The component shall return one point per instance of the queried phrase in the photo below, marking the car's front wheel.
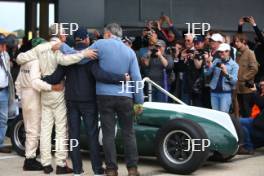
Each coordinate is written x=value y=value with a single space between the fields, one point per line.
x=18 y=136
x=180 y=146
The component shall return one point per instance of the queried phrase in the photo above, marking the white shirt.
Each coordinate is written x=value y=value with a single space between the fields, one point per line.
x=3 y=75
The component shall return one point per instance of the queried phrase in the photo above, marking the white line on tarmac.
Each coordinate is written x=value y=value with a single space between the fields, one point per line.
x=8 y=157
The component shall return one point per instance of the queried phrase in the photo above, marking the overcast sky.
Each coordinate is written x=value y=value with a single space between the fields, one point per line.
x=12 y=15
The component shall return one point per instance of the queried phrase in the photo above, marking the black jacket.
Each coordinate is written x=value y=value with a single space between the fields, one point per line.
x=80 y=83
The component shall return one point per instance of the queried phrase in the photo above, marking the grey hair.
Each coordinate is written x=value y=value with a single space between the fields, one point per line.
x=54 y=28
x=115 y=29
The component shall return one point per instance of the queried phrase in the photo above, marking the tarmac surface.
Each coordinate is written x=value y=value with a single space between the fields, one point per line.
x=11 y=165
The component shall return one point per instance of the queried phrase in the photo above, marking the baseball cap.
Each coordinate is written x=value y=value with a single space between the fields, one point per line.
x=36 y=41
x=217 y=37
x=224 y=47
x=80 y=34
x=198 y=38
x=161 y=43
x=2 y=39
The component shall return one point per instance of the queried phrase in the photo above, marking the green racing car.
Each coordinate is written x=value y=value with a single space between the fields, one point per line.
x=182 y=137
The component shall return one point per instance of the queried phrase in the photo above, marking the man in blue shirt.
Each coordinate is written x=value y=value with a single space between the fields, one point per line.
x=115 y=57
x=80 y=99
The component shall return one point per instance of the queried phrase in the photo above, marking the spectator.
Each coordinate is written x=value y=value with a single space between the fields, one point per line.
x=7 y=94
x=157 y=63
x=259 y=48
x=248 y=68
x=253 y=127
x=215 y=40
x=175 y=52
x=166 y=30
x=151 y=38
x=186 y=65
x=224 y=77
x=199 y=93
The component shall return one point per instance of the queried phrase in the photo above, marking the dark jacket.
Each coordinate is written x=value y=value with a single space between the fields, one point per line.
x=80 y=83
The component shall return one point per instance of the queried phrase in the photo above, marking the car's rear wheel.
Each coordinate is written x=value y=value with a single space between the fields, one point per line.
x=18 y=136
x=175 y=149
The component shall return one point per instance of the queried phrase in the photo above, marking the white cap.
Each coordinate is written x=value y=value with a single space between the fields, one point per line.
x=224 y=47
x=217 y=37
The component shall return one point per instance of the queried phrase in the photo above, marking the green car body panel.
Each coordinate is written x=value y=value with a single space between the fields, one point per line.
x=151 y=120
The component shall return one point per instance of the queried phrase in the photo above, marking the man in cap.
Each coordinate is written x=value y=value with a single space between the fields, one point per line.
x=53 y=103
x=224 y=77
x=156 y=61
x=80 y=99
x=7 y=94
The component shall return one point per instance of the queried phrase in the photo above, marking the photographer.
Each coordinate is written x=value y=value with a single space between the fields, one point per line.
x=248 y=68
x=185 y=66
x=224 y=77
x=176 y=72
x=150 y=38
x=198 y=88
x=157 y=63
x=259 y=47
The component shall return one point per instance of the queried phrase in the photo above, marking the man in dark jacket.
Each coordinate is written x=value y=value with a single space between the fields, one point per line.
x=80 y=96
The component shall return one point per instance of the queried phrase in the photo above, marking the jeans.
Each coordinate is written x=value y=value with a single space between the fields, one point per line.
x=221 y=101
x=246 y=124
x=246 y=103
x=88 y=112
x=3 y=114
x=122 y=106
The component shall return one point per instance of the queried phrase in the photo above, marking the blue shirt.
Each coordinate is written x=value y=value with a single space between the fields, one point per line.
x=114 y=56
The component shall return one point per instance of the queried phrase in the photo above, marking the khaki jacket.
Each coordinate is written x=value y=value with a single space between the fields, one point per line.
x=248 y=68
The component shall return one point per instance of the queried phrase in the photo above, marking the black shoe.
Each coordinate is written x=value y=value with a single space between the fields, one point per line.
x=47 y=169
x=32 y=165
x=63 y=170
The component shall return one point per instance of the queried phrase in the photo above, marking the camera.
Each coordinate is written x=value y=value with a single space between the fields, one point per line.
x=199 y=55
x=190 y=51
x=218 y=64
x=171 y=50
x=245 y=19
x=153 y=52
x=249 y=84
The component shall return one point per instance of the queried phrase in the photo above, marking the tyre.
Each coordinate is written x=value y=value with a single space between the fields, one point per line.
x=18 y=136
x=174 y=151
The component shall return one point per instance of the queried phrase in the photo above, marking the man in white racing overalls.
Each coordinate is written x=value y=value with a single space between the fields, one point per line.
x=28 y=87
x=52 y=102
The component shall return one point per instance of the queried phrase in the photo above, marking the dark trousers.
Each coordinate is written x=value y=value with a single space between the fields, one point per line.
x=246 y=103
x=88 y=112
x=122 y=106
